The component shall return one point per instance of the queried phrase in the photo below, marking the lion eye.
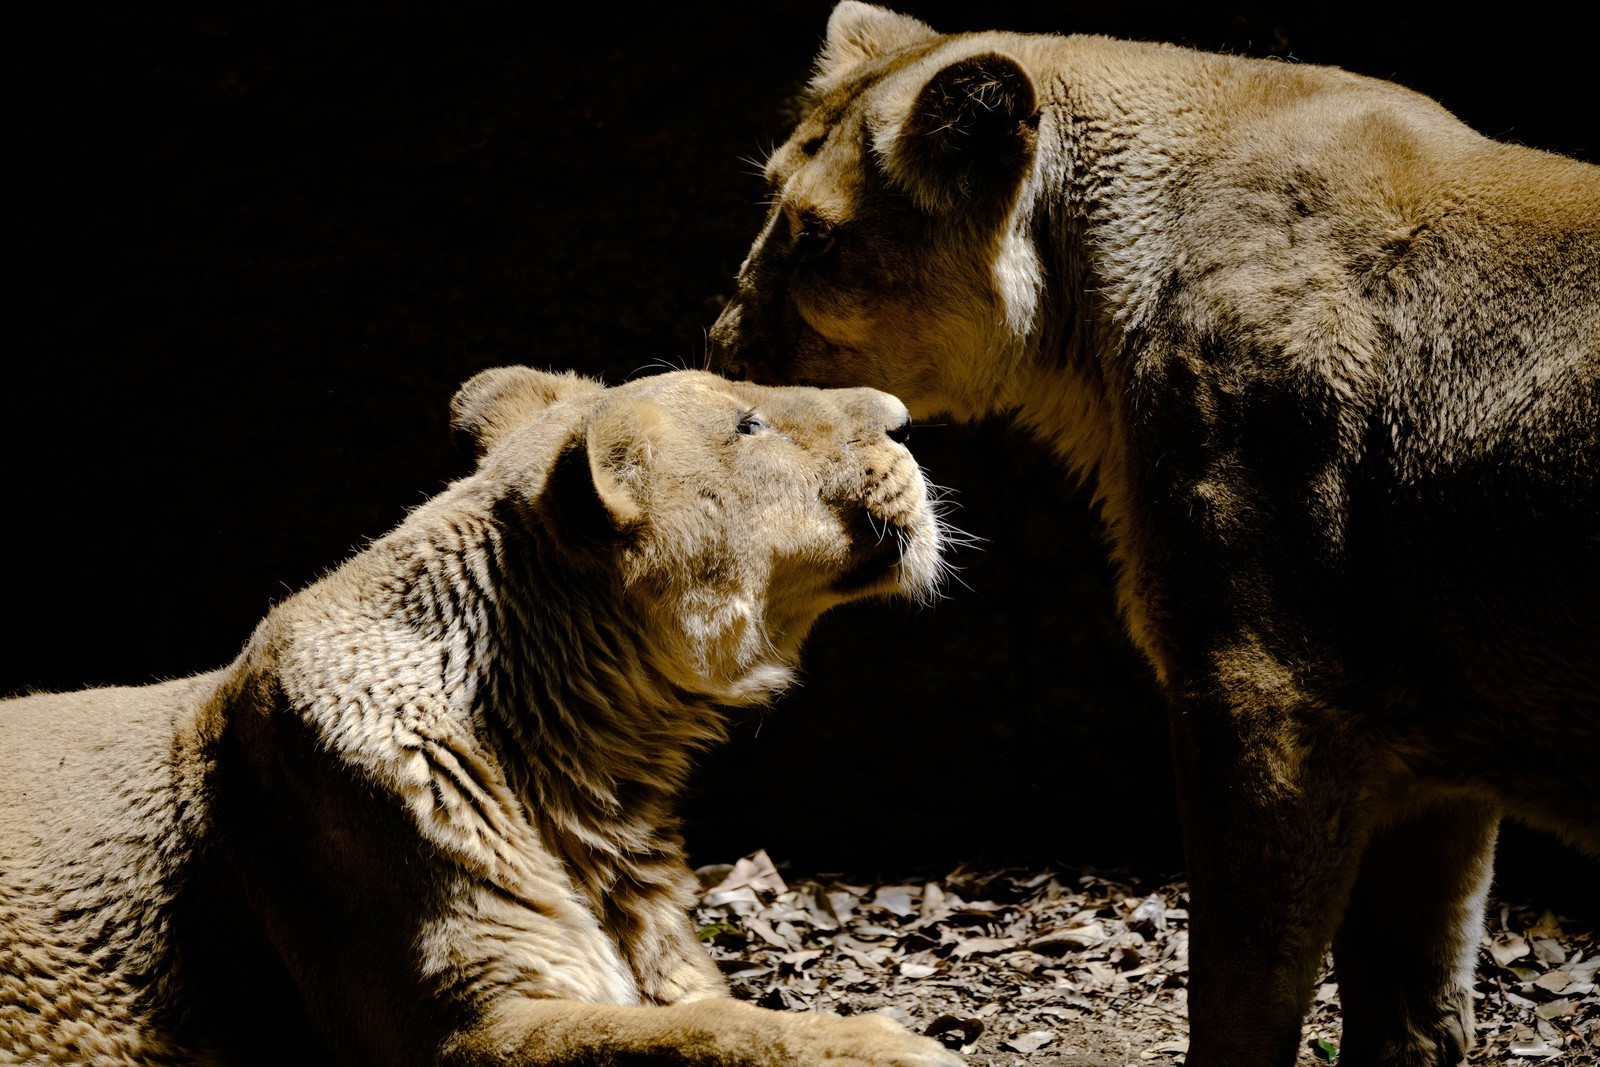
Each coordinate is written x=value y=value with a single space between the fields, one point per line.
x=815 y=240
x=750 y=422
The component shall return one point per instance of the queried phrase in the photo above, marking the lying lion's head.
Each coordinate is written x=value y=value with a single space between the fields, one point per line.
x=893 y=253
x=724 y=517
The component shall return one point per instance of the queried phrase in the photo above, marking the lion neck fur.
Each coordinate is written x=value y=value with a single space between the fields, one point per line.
x=1110 y=214
x=509 y=698
x=1086 y=239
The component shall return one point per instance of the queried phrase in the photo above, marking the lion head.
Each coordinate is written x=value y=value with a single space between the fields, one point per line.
x=895 y=252
x=721 y=518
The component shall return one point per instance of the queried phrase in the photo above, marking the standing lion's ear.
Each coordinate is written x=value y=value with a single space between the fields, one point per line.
x=494 y=402
x=858 y=32
x=592 y=496
x=969 y=136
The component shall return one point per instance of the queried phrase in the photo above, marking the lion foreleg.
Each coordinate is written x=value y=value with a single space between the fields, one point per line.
x=718 y=1032
x=1406 y=950
x=649 y=915
x=1272 y=845
x=677 y=969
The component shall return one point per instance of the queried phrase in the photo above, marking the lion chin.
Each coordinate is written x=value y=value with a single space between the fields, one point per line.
x=429 y=812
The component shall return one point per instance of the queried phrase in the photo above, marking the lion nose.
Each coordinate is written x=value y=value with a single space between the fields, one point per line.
x=724 y=347
x=886 y=411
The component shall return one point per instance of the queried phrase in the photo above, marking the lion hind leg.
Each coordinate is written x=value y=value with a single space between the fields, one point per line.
x=1405 y=951
x=719 y=1032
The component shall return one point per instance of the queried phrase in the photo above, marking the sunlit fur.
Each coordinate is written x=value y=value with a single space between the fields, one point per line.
x=429 y=813
x=1330 y=362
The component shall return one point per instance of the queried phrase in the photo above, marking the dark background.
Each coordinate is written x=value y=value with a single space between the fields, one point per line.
x=256 y=248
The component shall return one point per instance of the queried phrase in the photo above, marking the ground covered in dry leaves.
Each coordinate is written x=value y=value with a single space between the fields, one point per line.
x=1081 y=969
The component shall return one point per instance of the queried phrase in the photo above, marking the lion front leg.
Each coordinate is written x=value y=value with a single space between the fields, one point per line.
x=719 y=1032
x=678 y=969
x=644 y=902
x=1273 y=837
x=1406 y=950
x=657 y=937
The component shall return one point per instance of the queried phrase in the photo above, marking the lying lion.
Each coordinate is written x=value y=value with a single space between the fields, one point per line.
x=427 y=815
x=1332 y=363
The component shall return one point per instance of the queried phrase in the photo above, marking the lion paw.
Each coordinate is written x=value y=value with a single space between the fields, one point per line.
x=864 y=1041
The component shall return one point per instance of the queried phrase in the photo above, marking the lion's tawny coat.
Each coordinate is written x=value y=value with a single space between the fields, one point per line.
x=1331 y=363
x=428 y=815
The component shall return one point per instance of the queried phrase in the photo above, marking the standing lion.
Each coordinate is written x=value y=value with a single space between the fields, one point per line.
x=428 y=814
x=1331 y=361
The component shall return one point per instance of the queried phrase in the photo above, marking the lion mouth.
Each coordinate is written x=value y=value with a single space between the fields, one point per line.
x=897 y=542
x=881 y=546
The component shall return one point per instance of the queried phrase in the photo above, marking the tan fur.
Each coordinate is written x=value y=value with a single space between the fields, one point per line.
x=428 y=814
x=1329 y=359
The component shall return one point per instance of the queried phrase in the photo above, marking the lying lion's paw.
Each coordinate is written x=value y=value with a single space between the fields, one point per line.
x=864 y=1041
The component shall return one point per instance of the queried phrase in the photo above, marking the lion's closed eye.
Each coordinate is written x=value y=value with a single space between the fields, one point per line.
x=750 y=424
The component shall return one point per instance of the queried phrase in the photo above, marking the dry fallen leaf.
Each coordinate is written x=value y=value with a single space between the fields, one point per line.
x=1032 y=1041
x=1531 y=1044
x=983 y=946
x=1168 y=1048
x=1553 y=981
x=953 y=1031
x=1509 y=949
x=755 y=871
x=896 y=899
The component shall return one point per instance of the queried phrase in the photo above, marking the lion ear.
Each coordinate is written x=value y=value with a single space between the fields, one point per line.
x=858 y=32
x=495 y=402
x=969 y=137
x=592 y=496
